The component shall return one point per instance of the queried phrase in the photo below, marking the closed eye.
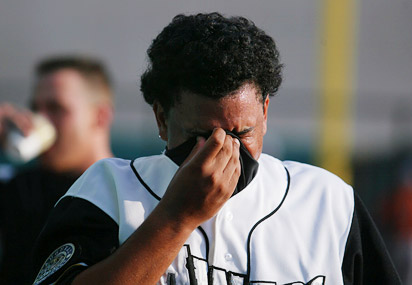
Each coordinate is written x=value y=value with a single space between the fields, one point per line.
x=244 y=132
x=207 y=134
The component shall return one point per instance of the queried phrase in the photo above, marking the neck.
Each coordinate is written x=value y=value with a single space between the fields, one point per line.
x=100 y=149
x=81 y=161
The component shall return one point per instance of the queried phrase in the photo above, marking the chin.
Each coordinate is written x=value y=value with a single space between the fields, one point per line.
x=50 y=158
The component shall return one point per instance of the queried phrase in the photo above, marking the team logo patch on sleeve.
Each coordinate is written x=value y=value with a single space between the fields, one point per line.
x=55 y=261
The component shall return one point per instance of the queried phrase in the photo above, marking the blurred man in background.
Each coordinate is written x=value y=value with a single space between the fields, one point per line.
x=75 y=94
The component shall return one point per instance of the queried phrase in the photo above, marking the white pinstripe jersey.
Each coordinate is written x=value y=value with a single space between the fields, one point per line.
x=290 y=225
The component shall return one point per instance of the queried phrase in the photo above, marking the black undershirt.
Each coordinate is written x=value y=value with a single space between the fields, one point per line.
x=25 y=204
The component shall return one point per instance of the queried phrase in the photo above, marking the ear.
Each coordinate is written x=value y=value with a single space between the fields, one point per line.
x=160 y=120
x=265 y=114
x=104 y=115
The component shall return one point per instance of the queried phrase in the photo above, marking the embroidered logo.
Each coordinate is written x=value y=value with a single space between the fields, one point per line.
x=55 y=261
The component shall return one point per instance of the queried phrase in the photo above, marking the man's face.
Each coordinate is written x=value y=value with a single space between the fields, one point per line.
x=63 y=97
x=241 y=113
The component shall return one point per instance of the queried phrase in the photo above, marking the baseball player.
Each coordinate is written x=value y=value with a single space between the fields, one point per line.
x=211 y=209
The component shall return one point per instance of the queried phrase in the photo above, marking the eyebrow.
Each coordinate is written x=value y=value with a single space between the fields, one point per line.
x=245 y=131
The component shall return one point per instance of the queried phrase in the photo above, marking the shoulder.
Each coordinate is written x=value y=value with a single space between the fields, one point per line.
x=318 y=186
x=37 y=186
x=317 y=179
x=100 y=175
x=108 y=182
x=116 y=165
x=323 y=190
x=303 y=171
x=111 y=170
x=311 y=172
x=109 y=164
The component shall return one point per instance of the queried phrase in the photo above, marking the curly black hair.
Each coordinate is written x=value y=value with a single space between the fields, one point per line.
x=210 y=55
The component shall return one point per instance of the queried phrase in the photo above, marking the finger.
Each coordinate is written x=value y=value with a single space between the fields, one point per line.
x=6 y=111
x=22 y=120
x=234 y=161
x=8 y=117
x=25 y=121
x=212 y=146
x=225 y=154
x=234 y=178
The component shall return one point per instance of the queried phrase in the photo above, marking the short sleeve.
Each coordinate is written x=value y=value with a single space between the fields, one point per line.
x=77 y=235
x=366 y=259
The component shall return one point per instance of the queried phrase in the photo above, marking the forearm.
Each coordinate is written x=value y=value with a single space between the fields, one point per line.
x=144 y=257
x=196 y=193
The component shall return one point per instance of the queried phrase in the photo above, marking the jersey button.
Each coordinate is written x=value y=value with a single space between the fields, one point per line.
x=228 y=257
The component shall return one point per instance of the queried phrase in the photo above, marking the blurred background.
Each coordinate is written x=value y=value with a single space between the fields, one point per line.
x=345 y=103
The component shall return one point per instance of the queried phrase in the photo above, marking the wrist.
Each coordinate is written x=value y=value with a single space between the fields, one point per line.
x=180 y=223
